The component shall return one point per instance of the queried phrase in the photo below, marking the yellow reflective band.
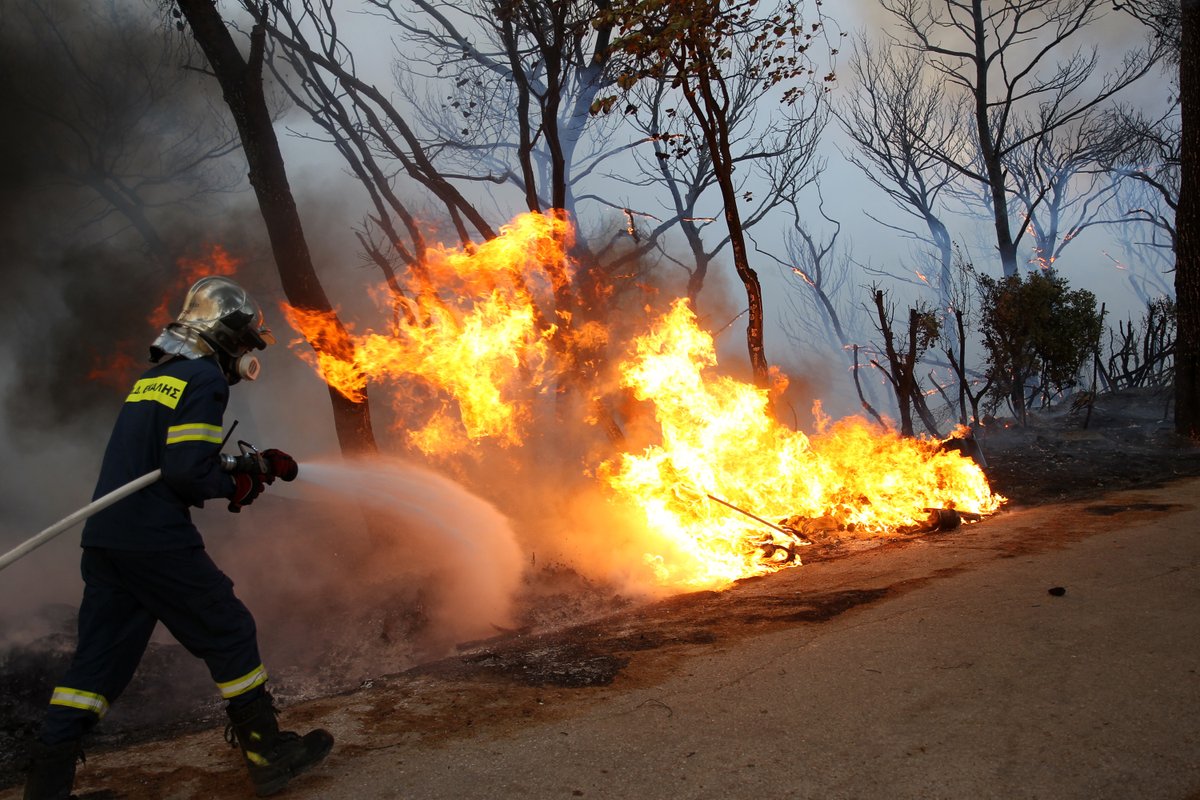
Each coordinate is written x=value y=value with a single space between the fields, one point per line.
x=233 y=688
x=164 y=389
x=77 y=698
x=194 y=432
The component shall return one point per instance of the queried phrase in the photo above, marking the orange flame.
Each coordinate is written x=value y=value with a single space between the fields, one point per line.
x=119 y=370
x=478 y=344
x=475 y=350
x=115 y=372
x=217 y=262
x=718 y=438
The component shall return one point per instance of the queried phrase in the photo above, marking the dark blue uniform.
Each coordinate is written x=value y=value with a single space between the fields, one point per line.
x=143 y=559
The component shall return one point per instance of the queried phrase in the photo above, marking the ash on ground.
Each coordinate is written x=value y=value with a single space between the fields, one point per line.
x=1071 y=452
x=1076 y=450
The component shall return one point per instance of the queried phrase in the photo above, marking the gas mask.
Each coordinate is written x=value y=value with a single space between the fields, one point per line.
x=237 y=368
x=219 y=318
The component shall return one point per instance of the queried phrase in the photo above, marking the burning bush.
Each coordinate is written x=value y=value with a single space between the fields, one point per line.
x=492 y=345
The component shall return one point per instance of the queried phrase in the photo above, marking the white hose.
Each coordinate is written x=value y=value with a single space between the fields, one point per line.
x=100 y=503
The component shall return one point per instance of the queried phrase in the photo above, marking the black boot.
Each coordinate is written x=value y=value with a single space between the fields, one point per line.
x=52 y=770
x=272 y=756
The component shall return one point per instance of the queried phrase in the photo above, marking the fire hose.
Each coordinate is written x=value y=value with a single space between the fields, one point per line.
x=249 y=460
x=99 y=504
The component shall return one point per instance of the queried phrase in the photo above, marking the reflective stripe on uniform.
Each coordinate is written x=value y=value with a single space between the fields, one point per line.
x=77 y=698
x=231 y=689
x=194 y=432
x=163 y=389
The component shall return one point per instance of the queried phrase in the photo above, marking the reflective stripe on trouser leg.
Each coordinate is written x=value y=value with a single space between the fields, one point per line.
x=197 y=604
x=231 y=689
x=77 y=698
x=114 y=628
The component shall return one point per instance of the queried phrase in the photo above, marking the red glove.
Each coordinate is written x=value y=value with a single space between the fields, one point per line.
x=280 y=464
x=246 y=487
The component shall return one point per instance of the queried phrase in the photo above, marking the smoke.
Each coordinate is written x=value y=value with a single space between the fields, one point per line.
x=105 y=182
x=367 y=566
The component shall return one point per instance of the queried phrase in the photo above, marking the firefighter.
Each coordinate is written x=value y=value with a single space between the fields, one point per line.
x=144 y=561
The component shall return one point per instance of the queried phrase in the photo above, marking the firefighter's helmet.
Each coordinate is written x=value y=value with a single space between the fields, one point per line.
x=218 y=317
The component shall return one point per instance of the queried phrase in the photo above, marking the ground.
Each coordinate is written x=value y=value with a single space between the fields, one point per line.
x=1063 y=457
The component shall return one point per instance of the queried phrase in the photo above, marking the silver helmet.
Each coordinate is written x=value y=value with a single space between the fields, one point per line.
x=218 y=317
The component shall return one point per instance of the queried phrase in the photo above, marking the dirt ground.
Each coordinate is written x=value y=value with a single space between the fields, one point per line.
x=548 y=665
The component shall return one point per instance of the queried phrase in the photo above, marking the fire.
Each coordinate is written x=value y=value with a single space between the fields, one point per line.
x=478 y=345
x=719 y=440
x=116 y=371
x=119 y=370
x=475 y=349
x=217 y=262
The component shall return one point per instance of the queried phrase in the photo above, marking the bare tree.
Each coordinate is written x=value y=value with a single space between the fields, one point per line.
x=820 y=274
x=1019 y=77
x=361 y=119
x=691 y=47
x=818 y=271
x=1179 y=25
x=1144 y=150
x=972 y=388
x=902 y=358
x=516 y=83
x=775 y=160
x=1059 y=181
x=117 y=117
x=241 y=81
x=899 y=121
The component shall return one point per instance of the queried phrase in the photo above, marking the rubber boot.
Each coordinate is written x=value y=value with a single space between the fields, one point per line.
x=273 y=757
x=52 y=770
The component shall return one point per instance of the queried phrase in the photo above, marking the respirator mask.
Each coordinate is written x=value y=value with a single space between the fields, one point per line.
x=218 y=318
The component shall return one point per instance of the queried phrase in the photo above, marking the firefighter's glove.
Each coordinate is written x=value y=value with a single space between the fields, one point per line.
x=280 y=465
x=246 y=487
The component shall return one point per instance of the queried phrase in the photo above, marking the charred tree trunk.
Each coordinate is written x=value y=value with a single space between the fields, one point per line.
x=899 y=372
x=242 y=86
x=989 y=147
x=708 y=111
x=958 y=363
x=1187 y=225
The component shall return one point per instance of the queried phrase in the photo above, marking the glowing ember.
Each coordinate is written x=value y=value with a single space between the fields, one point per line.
x=719 y=439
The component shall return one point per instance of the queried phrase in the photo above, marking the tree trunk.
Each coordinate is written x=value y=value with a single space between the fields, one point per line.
x=709 y=112
x=897 y=375
x=1187 y=226
x=242 y=86
x=989 y=147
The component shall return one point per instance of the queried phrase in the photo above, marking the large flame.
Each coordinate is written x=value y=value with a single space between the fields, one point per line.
x=475 y=346
x=719 y=440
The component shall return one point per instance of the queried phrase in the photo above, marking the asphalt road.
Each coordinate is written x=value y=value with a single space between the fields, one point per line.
x=955 y=674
